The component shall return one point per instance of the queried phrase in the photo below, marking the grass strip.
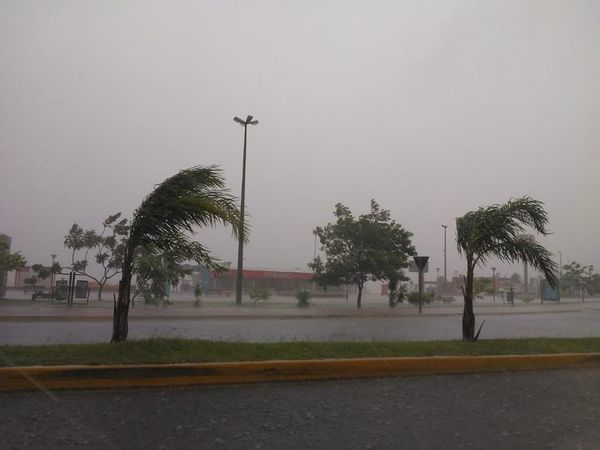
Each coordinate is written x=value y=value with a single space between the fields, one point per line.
x=166 y=351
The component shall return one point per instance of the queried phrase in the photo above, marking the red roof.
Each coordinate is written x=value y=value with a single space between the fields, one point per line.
x=271 y=274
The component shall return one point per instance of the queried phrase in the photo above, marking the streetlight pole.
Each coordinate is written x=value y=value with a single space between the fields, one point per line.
x=494 y=281
x=240 y=264
x=314 y=258
x=559 y=266
x=445 y=273
x=52 y=275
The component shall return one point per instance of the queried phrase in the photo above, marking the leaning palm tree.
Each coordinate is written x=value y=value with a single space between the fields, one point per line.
x=497 y=231
x=194 y=197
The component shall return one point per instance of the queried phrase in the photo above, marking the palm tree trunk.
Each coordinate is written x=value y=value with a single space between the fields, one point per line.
x=121 y=307
x=468 y=320
x=100 y=287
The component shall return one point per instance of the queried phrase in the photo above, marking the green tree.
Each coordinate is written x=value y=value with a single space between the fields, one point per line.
x=257 y=294
x=482 y=285
x=43 y=272
x=194 y=197
x=370 y=247
x=153 y=273
x=577 y=278
x=108 y=248
x=497 y=231
x=8 y=262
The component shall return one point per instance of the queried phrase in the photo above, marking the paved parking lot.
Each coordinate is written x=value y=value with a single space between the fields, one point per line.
x=548 y=409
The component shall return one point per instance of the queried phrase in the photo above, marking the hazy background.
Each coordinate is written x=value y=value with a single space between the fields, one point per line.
x=433 y=108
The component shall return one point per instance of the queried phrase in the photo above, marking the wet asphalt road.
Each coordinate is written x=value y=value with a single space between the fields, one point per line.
x=576 y=323
x=550 y=409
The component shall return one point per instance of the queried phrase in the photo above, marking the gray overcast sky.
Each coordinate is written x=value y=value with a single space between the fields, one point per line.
x=433 y=108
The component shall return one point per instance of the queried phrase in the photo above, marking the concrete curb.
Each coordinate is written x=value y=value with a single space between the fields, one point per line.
x=139 y=376
x=365 y=315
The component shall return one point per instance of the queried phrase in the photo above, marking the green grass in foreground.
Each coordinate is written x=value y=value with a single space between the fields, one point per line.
x=163 y=351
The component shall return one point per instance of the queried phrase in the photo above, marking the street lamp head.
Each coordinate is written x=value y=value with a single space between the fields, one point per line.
x=253 y=122
x=248 y=119
x=444 y=226
x=238 y=120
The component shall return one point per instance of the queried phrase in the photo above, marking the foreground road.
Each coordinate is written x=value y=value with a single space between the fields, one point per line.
x=554 y=409
x=573 y=323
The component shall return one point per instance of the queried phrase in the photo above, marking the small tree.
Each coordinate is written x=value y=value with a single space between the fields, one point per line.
x=257 y=294
x=372 y=247
x=153 y=274
x=108 y=249
x=515 y=278
x=577 y=278
x=8 y=262
x=482 y=285
x=497 y=230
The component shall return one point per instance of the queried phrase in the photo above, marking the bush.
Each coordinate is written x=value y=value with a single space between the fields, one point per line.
x=257 y=294
x=303 y=297
x=527 y=299
x=413 y=298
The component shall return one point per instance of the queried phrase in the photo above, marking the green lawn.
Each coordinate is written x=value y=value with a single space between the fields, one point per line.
x=164 y=351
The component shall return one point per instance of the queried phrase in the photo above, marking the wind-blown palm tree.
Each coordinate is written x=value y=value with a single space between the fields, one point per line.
x=194 y=197
x=497 y=231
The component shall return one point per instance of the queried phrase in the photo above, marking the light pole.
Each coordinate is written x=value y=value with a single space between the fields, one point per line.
x=559 y=267
x=52 y=274
x=445 y=274
x=494 y=281
x=314 y=258
x=240 y=264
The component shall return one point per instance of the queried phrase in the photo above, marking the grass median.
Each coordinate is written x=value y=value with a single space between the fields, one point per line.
x=168 y=351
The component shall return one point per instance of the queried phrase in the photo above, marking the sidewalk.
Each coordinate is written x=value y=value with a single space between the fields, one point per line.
x=279 y=308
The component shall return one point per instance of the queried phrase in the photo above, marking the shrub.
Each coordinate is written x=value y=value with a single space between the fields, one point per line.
x=527 y=299
x=413 y=298
x=257 y=294
x=303 y=297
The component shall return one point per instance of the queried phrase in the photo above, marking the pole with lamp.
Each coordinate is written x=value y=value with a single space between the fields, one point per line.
x=445 y=227
x=52 y=275
x=494 y=282
x=240 y=265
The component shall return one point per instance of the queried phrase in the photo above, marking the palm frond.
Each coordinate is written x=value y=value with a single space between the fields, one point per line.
x=497 y=230
x=193 y=198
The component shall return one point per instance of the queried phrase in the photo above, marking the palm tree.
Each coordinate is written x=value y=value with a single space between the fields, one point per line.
x=497 y=231
x=194 y=197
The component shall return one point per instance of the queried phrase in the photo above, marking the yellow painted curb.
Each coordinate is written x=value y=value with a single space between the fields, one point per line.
x=136 y=376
